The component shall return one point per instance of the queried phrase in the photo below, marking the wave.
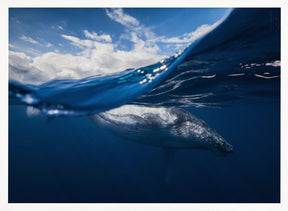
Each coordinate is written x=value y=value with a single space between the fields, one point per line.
x=240 y=58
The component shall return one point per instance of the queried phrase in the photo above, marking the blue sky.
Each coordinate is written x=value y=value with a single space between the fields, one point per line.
x=51 y=43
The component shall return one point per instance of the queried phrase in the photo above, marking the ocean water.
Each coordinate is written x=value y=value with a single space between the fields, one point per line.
x=229 y=78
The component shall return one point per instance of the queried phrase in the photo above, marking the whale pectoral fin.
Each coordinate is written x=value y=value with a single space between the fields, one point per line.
x=169 y=155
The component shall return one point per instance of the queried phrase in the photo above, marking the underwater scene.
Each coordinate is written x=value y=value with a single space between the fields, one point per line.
x=144 y=105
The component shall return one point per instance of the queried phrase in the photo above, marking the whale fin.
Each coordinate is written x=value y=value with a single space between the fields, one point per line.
x=169 y=155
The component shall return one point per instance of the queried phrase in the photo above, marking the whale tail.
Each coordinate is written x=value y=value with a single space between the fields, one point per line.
x=169 y=155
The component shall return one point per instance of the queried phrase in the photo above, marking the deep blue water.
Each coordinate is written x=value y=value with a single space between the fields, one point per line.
x=70 y=160
x=230 y=79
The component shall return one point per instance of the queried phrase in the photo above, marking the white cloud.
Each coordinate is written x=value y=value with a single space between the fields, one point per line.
x=29 y=39
x=60 y=28
x=48 y=45
x=119 y=16
x=19 y=60
x=21 y=69
x=140 y=35
x=98 y=53
x=12 y=46
x=78 y=42
x=32 y=51
x=144 y=37
x=130 y=23
x=95 y=36
x=192 y=36
x=95 y=58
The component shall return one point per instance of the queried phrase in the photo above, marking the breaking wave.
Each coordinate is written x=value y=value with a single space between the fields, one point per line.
x=240 y=59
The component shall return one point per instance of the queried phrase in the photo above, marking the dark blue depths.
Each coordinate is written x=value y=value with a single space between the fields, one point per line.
x=70 y=160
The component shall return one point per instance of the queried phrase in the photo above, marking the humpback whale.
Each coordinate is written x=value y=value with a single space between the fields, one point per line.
x=171 y=128
x=166 y=127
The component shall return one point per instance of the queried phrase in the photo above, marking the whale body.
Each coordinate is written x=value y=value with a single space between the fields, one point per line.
x=166 y=127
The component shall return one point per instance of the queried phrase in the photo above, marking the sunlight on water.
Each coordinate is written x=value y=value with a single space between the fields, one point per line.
x=191 y=77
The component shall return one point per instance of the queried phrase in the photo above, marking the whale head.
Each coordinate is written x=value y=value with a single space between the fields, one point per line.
x=162 y=127
x=197 y=134
x=220 y=146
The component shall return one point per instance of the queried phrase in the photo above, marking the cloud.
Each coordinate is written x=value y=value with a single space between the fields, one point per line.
x=60 y=28
x=78 y=42
x=21 y=69
x=144 y=37
x=29 y=49
x=29 y=39
x=19 y=60
x=98 y=53
x=12 y=46
x=192 y=36
x=141 y=36
x=95 y=58
x=124 y=19
x=95 y=36
x=130 y=23
x=48 y=45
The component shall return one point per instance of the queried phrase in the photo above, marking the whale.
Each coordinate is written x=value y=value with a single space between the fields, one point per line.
x=171 y=128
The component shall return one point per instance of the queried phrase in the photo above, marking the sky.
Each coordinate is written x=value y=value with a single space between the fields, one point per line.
x=56 y=43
